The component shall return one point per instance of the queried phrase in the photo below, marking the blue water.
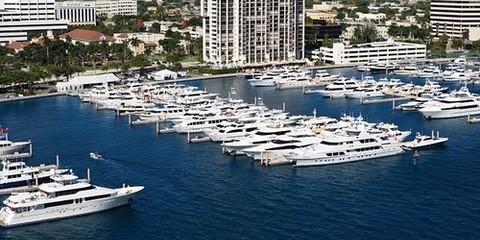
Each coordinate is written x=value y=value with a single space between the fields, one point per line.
x=192 y=191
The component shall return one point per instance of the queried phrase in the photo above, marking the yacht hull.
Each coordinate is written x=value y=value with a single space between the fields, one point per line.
x=301 y=161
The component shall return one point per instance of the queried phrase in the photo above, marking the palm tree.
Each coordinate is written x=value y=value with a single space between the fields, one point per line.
x=135 y=42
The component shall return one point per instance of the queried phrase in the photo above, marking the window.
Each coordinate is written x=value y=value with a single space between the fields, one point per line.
x=97 y=197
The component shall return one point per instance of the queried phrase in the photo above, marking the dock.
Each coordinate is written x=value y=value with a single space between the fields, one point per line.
x=383 y=100
x=273 y=159
x=473 y=119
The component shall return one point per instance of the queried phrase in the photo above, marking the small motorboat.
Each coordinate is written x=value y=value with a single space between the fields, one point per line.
x=95 y=155
x=423 y=141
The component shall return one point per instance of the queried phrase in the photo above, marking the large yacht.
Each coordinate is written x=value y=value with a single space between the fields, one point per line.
x=66 y=196
x=9 y=147
x=339 y=87
x=18 y=174
x=459 y=103
x=342 y=149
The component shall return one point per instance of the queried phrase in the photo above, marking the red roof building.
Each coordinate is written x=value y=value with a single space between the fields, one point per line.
x=86 y=36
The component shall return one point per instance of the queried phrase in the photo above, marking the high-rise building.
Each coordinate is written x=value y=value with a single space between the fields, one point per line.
x=253 y=31
x=20 y=17
x=78 y=13
x=453 y=18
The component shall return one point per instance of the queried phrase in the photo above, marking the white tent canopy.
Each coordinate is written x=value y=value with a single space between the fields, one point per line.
x=163 y=74
x=77 y=84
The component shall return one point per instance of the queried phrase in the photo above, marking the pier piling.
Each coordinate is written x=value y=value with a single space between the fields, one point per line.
x=88 y=174
x=157 y=127
x=57 y=162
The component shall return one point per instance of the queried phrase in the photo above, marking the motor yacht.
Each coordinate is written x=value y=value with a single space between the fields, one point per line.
x=66 y=196
x=9 y=147
x=339 y=87
x=365 y=92
x=18 y=174
x=459 y=103
x=338 y=149
x=424 y=141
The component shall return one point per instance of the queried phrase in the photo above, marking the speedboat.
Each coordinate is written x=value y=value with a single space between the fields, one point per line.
x=423 y=141
x=66 y=196
x=95 y=155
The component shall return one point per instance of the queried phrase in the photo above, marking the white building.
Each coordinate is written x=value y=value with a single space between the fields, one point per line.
x=76 y=12
x=250 y=32
x=20 y=17
x=388 y=51
x=454 y=17
x=371 y=16
x=77 y=84
x=111 y=8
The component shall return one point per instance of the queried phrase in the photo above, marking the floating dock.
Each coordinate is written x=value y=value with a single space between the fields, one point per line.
x=473 y=119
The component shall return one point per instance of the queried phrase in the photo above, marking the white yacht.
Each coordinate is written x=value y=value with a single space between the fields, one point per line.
x=18 y=174
x=365 y=92
x=343 y=149
x=263 y=135
x=408 y=70
x=424 y=141
x=431 y=71
x=324 y=76
x=339 y=87
x=199 y=124
x=9 y=147
x=382 y=67
x=459 y=103
x=232 y=131
x=281 y=144
x=163 y=113
x=392 y=131
x=415 y=104
x=266 y=80
x=66 y=196
x=459 y=75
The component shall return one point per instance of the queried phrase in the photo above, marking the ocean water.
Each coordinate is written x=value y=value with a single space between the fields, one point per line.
x=193 y=191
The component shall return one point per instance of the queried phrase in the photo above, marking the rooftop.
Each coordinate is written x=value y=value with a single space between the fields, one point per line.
x=87 y=35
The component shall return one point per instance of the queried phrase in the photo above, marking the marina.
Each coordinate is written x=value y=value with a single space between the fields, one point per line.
x=200 y=189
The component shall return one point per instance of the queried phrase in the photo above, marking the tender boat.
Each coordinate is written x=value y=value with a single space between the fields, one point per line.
x=95 y=155
x=66 y=196
x=423 y=141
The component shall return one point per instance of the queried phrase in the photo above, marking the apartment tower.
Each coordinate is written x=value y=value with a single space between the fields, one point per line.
x=252 y=31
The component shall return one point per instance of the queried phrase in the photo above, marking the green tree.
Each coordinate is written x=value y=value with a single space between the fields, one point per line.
x=364 y=34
